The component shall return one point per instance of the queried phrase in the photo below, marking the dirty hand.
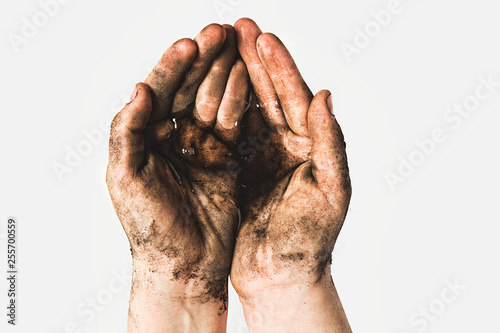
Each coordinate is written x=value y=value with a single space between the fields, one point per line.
x=172 y=186
x=296 y=191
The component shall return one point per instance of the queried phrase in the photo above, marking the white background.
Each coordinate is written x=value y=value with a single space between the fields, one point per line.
x=398 y=247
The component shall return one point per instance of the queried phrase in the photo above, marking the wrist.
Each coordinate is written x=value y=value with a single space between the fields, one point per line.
x=159 y=303
x=182 y=277
x=270 y=290
x=252 y=279
x=301 y=307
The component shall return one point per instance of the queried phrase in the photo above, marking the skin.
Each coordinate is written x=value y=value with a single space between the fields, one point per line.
x=295 y=194
x=179 y=169
x=170 y=185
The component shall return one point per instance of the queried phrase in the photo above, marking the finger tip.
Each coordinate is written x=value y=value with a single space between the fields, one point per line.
x=324 y=94
x=319 y=109
x=326 y=97
x=268 y=44
x=246 y=30
x=186 y=48
x=268 y=39
x=240 y=67
x=142 y=96
x=230 y=34
x=141 y=86
x=228 y=27
x=214 y=31
x=244 y=23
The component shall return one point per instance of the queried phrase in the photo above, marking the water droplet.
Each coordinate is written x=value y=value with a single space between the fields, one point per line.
x=189 y=151
x=257 y=105
x=175 y=123
x=235 y=124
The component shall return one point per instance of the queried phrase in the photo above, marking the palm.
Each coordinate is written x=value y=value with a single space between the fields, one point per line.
x=284 y=212
x=191 y=169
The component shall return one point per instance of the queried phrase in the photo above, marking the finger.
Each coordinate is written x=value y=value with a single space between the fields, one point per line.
x=126 y=144
x=328 y=155
x=233 y=103
x=293 y=93
x=167 y=75
x=209 y=41
x=247 y=33
x=212 y=88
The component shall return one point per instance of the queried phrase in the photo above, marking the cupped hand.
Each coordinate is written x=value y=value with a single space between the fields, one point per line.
x=169 y=154
x=296 y=186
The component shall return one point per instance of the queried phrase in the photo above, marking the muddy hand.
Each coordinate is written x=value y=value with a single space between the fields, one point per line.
x=170 y=185
x=296 y=191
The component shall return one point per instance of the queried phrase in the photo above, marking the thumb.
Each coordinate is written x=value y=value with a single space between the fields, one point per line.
x=328 y=155
x=126 y=144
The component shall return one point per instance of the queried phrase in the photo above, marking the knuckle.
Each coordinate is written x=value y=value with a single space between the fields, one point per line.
x=219 y=69
x=207 y=102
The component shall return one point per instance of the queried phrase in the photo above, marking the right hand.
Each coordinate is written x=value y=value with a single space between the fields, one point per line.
x=297 y=186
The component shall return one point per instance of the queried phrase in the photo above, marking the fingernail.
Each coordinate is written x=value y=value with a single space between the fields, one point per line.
x=133 y=95
x=329 y=103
